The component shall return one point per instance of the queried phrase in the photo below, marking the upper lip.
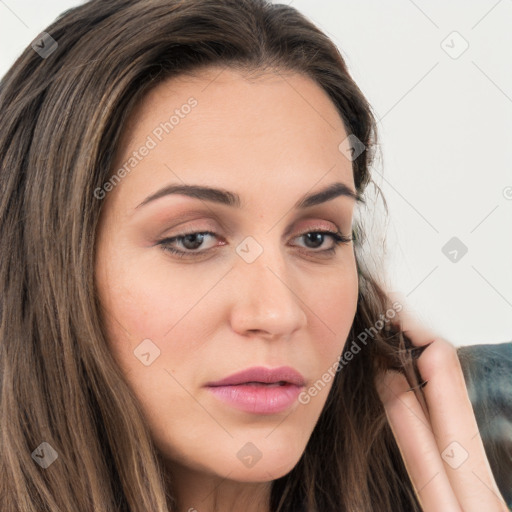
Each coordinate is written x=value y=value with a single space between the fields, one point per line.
x=285 y=374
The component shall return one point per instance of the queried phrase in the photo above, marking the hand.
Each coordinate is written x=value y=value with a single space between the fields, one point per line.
x=442 y=451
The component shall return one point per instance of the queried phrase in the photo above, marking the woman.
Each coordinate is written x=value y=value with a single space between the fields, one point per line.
x=188 y=322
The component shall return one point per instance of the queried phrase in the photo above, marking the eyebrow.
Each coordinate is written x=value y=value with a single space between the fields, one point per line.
x=232 y=199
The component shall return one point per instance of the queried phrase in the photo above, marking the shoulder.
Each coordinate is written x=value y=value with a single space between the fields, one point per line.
x=487 y=371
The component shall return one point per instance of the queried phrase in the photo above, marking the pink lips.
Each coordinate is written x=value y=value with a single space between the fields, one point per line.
x=260 y=390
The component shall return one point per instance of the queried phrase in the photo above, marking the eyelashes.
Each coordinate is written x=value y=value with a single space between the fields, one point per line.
x=196 y=239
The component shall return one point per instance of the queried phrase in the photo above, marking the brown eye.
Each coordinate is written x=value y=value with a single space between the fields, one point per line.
x=190 y=242
x=315 y=239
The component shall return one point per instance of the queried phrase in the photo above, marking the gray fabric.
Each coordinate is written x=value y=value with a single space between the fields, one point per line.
x=488 y=374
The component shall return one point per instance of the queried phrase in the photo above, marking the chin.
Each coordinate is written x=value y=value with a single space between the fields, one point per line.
x=262 y=471
x=260 y=461
x=240 y=461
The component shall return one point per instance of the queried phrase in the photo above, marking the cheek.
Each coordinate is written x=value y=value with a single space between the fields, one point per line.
x=146 y=299
x=151 y=321
x=333 y=304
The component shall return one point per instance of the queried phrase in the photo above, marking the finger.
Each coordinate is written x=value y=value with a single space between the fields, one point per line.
x=417 y=445
x=456 y=431
x=447 y=397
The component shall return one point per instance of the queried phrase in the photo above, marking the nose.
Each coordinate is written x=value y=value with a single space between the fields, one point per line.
x=266 y=301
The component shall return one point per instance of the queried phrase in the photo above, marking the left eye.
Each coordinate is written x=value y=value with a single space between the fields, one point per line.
x=314 y=237
x=193 y=241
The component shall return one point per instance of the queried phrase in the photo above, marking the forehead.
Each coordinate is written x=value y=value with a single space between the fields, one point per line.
x=238 y=103
x=265 y=127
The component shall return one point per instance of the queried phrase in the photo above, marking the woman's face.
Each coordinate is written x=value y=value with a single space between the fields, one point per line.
x=263 y=289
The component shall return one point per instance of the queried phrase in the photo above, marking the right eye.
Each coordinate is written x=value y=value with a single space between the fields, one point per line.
x=188 y=241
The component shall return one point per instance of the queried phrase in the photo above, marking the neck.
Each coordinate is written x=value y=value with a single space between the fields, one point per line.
x=202 y=492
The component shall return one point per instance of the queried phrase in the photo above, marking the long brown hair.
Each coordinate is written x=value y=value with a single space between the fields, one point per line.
x=61 y=119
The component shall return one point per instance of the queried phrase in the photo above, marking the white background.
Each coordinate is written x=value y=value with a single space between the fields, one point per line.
x=445 y=127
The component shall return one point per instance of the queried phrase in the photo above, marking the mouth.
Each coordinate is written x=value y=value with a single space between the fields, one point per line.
x=254 y=383
x=264 y=376
x=259 y=390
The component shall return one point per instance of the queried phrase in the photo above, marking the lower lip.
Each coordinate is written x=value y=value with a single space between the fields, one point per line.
x=258 y=398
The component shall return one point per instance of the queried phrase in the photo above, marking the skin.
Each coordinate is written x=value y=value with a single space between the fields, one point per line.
x=442 y=449
x=270 y=139
x=214 y=314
